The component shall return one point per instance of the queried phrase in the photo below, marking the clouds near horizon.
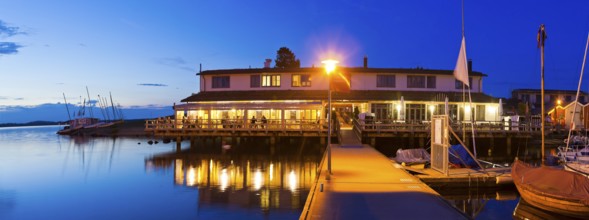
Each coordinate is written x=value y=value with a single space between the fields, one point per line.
x=152 y=84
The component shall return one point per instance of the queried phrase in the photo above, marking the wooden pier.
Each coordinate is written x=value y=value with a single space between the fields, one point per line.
x=366 y=184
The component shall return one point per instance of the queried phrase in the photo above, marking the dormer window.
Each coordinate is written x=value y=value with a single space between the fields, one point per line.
x=301 y=80
x=271 y=80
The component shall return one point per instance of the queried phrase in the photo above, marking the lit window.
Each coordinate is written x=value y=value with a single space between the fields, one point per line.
x=301 y=80
x=271 y=81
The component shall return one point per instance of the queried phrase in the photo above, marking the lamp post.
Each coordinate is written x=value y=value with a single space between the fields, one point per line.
x=329 y=67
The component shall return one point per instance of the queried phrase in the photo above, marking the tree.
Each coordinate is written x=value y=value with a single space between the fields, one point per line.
x=285 y=58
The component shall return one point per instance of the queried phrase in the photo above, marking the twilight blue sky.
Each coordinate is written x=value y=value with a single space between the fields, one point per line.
x=146 y=52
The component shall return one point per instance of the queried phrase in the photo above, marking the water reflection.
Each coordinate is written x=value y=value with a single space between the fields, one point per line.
x=259 y=181
x=482 y=203
x=524 y=210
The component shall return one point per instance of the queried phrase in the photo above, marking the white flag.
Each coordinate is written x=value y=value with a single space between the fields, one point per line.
x=461 y=69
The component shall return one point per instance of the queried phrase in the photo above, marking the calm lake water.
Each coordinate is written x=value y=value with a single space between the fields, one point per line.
x=47 y=176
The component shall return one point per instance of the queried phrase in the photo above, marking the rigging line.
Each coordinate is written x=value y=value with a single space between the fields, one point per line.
x=577 y=97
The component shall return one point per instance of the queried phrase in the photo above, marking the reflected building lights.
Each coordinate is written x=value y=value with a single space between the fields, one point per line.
x=271 y=172
x=292 y=181
x=224 y=179
x=178 y=172
x=191 y=176
x=258 y=180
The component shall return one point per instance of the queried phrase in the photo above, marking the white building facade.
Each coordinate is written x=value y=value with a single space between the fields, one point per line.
x=391 y=94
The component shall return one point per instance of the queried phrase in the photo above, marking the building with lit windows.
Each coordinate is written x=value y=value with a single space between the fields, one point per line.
x=283 y=99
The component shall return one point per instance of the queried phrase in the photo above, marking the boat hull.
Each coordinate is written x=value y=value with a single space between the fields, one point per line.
x=580 y=168
x=556 y=205
x=549 y=200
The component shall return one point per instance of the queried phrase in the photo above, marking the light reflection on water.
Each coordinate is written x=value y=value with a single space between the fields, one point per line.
x=46 y=176
x=256 y=181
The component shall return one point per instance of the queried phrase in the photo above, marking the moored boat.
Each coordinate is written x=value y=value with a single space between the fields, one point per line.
x=577 y=167
x=552 y=189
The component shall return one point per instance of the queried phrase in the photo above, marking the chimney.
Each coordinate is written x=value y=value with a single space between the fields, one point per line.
x=267 y=63
x=469 y=66
x=365 y=62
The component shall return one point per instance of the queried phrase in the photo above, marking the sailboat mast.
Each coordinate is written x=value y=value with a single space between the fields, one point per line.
x=91 y=112
x=577 y=97
x=541 y=39
x=67 y=108
x=114 y=113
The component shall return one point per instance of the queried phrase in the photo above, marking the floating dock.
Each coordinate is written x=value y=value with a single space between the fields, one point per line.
x=365 y=184
x=465 y=177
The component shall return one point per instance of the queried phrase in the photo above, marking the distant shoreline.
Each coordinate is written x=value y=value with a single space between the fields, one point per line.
x=33 y=123
x=129 y=128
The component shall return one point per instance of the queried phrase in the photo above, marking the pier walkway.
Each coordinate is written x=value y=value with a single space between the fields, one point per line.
x=365 y=184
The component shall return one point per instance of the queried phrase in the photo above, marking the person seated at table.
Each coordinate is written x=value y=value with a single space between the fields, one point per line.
x=253 y=122
x=264 y=121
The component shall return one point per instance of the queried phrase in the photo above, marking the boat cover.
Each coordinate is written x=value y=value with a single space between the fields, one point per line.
x=459 y=155
x=417 y=155
x=551 y=182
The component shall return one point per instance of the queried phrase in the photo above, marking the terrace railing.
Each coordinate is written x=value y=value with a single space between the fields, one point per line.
x=196 y=125
x=307 y=125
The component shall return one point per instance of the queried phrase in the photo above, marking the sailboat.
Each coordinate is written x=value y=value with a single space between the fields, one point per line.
x=577 y=159
x=81 y=122
x=548 y=188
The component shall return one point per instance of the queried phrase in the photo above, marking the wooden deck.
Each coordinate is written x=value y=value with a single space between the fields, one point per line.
x=388 y=128
x=318 y=128
x=214 y=127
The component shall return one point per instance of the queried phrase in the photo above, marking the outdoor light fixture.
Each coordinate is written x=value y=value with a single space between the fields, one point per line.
x=558 y=102
x=329 y=67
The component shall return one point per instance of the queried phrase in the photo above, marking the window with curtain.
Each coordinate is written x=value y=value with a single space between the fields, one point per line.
x=220 y=82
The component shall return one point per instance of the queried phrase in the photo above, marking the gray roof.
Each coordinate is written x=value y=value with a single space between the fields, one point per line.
x=354 y=95
x=344 y=69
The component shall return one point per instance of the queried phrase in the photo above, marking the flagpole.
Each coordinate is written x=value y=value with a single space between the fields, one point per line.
x=474 y=145
x=463 y=85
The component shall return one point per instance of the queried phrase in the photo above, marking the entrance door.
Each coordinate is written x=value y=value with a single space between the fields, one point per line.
x=415 y=113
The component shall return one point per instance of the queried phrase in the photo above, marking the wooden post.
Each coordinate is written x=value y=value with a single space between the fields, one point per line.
x=508 y=144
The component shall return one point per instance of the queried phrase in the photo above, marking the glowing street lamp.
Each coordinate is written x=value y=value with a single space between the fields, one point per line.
x=329 y=67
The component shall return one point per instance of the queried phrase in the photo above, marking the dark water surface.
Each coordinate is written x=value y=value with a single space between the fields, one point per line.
x=46 y=176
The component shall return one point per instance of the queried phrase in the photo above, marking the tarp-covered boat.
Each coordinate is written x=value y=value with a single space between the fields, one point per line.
x=552 y=189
